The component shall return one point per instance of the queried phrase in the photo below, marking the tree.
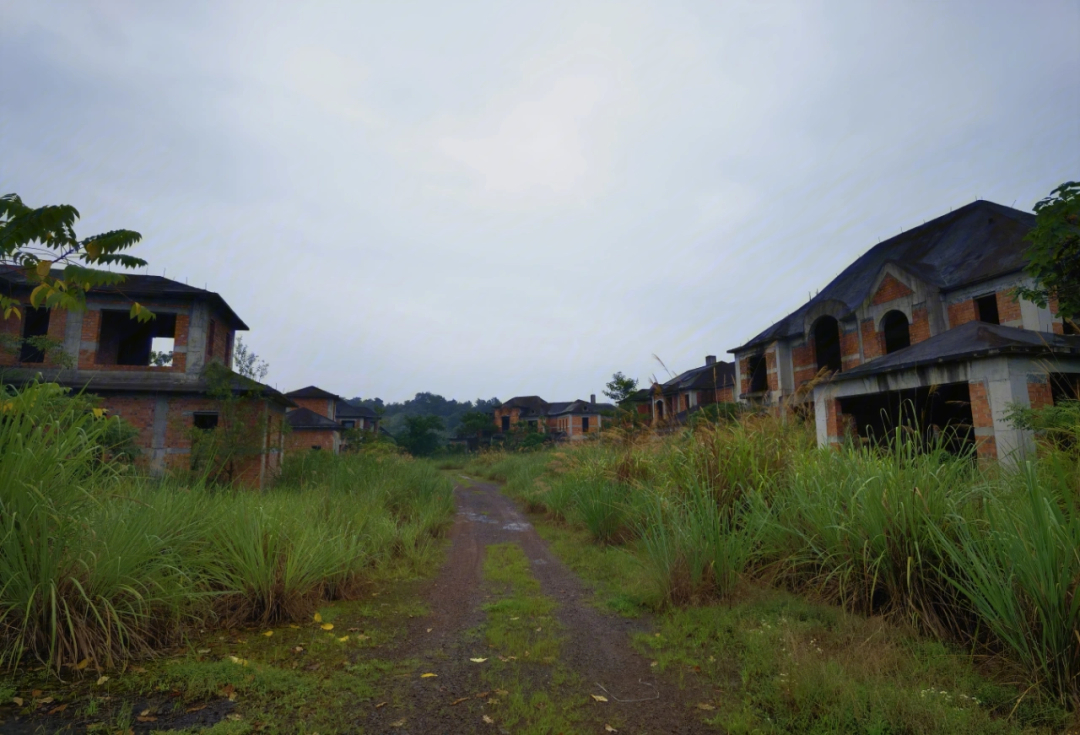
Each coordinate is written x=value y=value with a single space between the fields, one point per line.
x=1054 y=253
x=475 y=423
x=247 y=364
x=620 y=388
x=421 y=436
x=35 y=242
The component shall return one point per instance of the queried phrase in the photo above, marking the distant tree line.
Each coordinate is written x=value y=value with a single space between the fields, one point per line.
x=424 y=423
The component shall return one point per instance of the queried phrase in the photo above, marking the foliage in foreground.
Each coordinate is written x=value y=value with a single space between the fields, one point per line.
x=98 y=565
x=979 y=555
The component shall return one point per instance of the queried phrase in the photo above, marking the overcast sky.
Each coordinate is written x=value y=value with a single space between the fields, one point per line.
x=506 y=198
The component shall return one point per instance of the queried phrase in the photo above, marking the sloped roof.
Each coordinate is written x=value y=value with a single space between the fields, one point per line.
x=145 y=289
x=311 y=392
x=528 y=404
x=304 y=419
x=346 y=410
x=974 y=243
x=968 y=341
x=578 y=406
x=718 y=375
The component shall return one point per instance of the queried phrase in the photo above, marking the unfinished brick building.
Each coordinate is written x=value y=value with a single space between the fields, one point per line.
x=150 y=374
x=321 y=419
x=923 y=323
x=674 y=400
x=568 y=420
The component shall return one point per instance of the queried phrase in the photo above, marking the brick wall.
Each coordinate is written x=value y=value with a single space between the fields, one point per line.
x=1009 y=309
x=983 y=420
x=890 y=289
x=804 y=363
x=919 y=329
x=91 y=327
x=218 y=348
x=12 y=328
x=873 y=341
x=838 y=424
x=962 y=313
x=318 y=405
x=303 y=441
x=725 y=395
x=849 y=349
x=1039 y=392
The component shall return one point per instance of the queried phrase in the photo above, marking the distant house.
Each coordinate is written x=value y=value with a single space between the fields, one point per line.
x=924 y=323
x=321 y=418
x=149 y=373
x=713 y=382
x=568 y=420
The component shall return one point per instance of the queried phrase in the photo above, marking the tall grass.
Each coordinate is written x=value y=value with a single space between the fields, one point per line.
x=966 y=552
x=98 y=564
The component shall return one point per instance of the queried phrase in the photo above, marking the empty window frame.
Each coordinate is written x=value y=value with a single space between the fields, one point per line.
x=35 y=324
x=1069 y=327
x=759 y=377
x=986 y=308
x=349 y=424
x=126 y=341
x=585 y=424
x=505 y=424
x=827 y=344
x=205 y=420
x=896 y=330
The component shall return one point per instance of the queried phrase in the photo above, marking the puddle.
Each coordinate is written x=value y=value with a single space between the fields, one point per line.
x=516 y=526
x=476 y=517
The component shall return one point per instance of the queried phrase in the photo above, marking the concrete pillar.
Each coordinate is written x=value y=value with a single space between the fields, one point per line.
x=158 y=448
x=995 y=387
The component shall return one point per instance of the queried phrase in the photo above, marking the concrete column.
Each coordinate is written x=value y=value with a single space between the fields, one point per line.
x=196 y=344
x=996 y=386
x=158 y=449
x=73 y=335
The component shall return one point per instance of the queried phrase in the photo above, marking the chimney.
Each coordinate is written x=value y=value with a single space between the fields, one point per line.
x=710 y=360
x=592 y=399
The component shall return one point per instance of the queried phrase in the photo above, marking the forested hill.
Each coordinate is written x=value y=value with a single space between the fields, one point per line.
x=425 y=404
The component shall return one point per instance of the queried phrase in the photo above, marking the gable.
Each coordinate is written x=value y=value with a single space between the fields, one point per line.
x=889 y=290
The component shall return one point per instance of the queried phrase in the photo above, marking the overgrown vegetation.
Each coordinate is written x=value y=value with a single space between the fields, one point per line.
x=98 y=564
x=968 y=555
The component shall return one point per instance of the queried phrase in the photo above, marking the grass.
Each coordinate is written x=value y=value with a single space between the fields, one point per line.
x=949 y=553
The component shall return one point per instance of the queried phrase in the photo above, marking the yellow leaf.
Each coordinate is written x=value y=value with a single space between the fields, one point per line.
x=327 y=626
x=488 y=720
x=318 y=618
x=42 y=288
x=705 y=706
x=397 y=723
x=82 y=664
x=102 y=680
x=93 y=250
x=268 y=633
x=18 y=701
x=43 y=267
x=427 y=676
x=294 y=626
x=478 y=660
x=609 y=728
x=343 y=638
x=599 y=698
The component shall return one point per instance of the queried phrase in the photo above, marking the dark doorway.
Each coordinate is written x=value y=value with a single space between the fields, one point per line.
x=897 y=331
x=1065 y=387
x=584 y=424
x=1069 y=326
x=505 y=424
x=759 y=376
x=659 y=409
x=127 y=341
x=939 y=415
x=35 y=324
x=827 y=344
x=986 y=307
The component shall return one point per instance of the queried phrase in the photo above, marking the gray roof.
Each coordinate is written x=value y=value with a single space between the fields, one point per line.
x=346 y=410
x=304 y=419
x=529 y=405
x=145 y=289
x=968 y=341
x=311 y=392
x=717 y=375
x=975 y=243
x=578 y=406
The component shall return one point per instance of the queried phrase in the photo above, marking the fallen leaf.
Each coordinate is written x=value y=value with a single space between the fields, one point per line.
x=459 y=701
x=502 y=692
x=343 y=638
x=515 y=618
x=102 y=680
x=137 y=669
x=238 y=661
x=298 y=649
x=539 y=629
x=380 y=704
x=654 y=663
x=47 y=700
x=293 y=626
x=481 y=695
x=488 y=720
x=361 y=637
x=196 y=708
x=144 y=713
x=327 y=626
x=609 y=728
x=203 y=650
x=57 y=709
x=228 y=690
x=599 y=698
x=318 y=618
x=478 y=660
x=142 y=718
x=82 y=664
x=427 y=676
x=354 y=630
x=233 y=717
x=429 y=630
x=35 y=693
x=398 y=723
x=18 y=701
x=268 y=633
x=705 y=706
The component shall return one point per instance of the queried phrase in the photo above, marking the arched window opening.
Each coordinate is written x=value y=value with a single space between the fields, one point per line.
x=659 y=409
x=759 y=374
x=897 y=331
x=827 y=344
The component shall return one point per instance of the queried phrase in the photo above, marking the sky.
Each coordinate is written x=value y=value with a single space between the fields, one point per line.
x=500 y=199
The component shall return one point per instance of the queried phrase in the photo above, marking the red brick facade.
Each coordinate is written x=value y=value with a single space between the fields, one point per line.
x=919 y=329
x=983 y=420
x=889 y=290
x=321 y=406
x=297 y=441
x=1008 y=308
x=1039 y=392
x=962 y=313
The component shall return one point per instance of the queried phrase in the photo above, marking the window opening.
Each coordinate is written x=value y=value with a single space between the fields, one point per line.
x=660 y=409
x=759 y=378
x=897 y=331
x=126 y=341
x=205 y=420
x=987 y=308
x=505 y=423
x=35 y=324
x=584 y=424
x=827 y=344
x=1069 y=326
x=349 y=424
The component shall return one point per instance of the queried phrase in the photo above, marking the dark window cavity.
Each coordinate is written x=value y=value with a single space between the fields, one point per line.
x=1069 y=326
x=827 y=344
x=126 y=341
x=349 y=424
x=585 y=424
x=986 y=308
x=759 y=377
x=35 y=324
x=205 y=420
x=897 y=331
x=505 y=423
x=660 y=409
